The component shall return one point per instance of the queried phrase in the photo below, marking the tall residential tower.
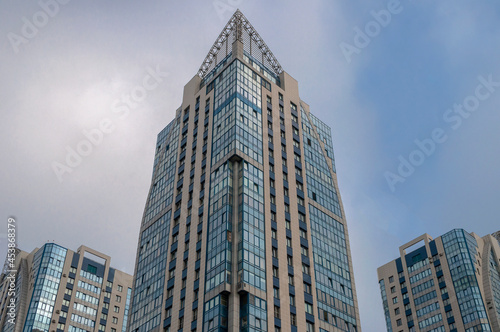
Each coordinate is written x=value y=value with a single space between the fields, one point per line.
x=58 y=290
x=449 y=284
x=243 y=228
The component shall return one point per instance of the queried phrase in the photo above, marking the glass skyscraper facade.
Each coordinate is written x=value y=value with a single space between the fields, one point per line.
x=243 y=228
x=60 y=290
x=448 y=284
x=48 y=265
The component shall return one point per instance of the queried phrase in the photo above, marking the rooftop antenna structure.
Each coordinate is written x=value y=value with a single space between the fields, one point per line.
x=239 y=28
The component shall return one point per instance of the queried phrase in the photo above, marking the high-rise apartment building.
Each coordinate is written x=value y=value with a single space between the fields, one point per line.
x=55 y=289
x=448 y=284
x=243 y=228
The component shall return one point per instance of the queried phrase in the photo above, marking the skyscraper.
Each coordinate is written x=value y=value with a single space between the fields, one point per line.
x=448 y=284
x=243 y=228
x=56 y=289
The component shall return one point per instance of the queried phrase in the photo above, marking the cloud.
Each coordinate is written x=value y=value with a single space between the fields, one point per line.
x=66 y=79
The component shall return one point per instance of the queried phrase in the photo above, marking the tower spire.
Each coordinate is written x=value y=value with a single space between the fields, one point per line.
x=239 y=28
x=237 y=31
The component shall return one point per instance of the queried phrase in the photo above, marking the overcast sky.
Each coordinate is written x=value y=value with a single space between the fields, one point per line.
x=381 y=85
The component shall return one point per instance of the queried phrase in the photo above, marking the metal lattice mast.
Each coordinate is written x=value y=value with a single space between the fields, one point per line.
x=238 y=24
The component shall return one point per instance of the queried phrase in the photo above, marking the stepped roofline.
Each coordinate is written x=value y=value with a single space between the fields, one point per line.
x=239 y=29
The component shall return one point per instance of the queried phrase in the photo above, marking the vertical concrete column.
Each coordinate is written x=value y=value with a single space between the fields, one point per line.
x=237 y=50
x=234 y=299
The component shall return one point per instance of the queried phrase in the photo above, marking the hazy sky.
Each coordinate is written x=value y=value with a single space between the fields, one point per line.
x=399 y=82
